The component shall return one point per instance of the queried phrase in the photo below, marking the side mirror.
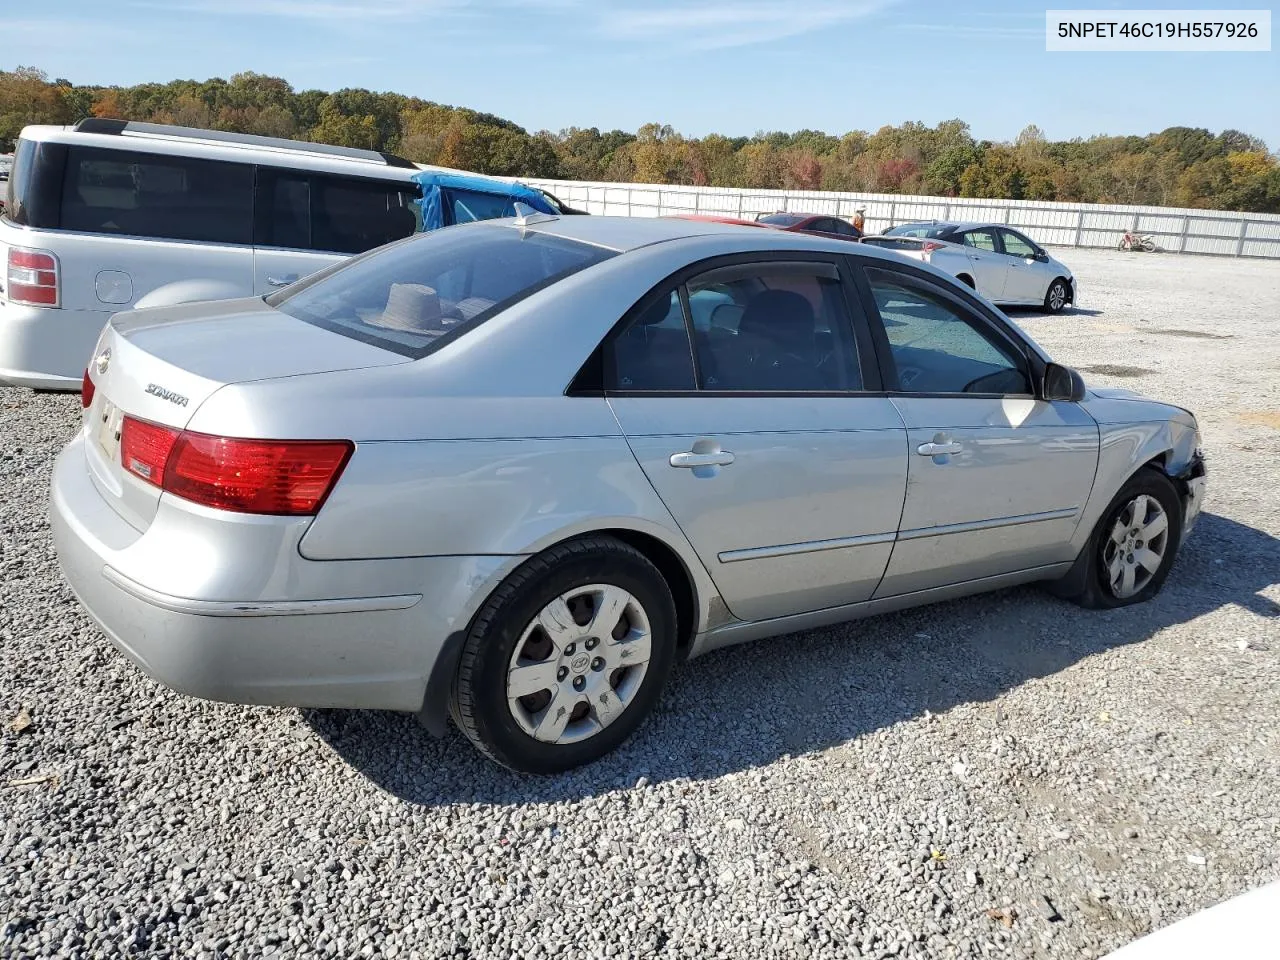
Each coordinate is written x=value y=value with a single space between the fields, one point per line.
x=1063 y=383
x=1042 y=257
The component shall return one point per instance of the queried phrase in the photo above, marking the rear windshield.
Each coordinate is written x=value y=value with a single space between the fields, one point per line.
x=415 y=295
x=918 y=230
x=782 y=219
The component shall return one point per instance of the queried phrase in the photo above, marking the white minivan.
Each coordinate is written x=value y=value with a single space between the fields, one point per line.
x=111 y=215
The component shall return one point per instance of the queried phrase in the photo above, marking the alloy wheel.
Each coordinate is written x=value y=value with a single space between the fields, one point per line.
x=1057 y=297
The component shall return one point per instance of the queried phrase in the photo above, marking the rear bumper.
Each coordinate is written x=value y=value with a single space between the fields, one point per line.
x=47 y=347
x=242 y=642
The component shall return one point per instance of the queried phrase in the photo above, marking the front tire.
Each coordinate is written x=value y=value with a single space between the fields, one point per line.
x=567 y=657
x=1057 y=296
x=1132 y=548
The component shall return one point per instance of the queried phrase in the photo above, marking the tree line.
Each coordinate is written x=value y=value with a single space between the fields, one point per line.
x=1180 y=166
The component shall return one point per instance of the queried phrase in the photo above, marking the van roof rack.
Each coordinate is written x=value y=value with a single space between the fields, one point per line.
x=120 y=127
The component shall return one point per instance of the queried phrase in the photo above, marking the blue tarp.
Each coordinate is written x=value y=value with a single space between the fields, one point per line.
x=436 y=189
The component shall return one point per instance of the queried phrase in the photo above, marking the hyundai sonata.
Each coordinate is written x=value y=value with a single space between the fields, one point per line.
x=513 y=471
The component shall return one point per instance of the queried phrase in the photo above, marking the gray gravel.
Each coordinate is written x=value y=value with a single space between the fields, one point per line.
x=1006 y=776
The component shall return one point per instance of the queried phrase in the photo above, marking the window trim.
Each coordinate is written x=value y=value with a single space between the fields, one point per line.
x=962 y=300
x=591 y=380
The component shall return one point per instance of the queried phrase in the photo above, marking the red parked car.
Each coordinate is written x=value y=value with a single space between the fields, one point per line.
x=818 y=223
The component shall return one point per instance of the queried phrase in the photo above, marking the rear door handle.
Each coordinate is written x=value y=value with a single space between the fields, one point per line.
x=691 y=460
x=938 y=448
x=282 y=281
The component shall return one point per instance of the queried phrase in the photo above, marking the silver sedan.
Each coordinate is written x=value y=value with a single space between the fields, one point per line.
x=514 y=471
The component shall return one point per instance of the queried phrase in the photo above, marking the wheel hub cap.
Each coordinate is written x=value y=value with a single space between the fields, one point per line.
x=1135 y=549
x=579 y=663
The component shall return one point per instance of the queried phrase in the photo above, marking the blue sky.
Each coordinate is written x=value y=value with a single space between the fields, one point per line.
x=730 y=66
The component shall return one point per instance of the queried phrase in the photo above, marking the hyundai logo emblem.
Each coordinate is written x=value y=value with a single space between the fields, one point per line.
x=103 y=360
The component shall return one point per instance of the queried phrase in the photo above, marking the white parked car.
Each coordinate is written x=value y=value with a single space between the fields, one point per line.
x=1003 y=265
x=109 y=216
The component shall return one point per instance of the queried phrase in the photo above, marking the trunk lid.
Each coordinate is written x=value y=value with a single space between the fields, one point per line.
x=161 y=364
x=908 y=246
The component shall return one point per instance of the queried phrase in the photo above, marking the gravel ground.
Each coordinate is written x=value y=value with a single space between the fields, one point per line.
x=1006 y=776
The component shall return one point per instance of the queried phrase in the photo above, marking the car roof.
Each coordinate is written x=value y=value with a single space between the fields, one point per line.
x=232 y=148
x=623 y=234
x=713 y=218
x=630 y=233
x=950 y=224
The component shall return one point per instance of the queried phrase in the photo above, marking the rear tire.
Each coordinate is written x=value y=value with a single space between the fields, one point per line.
x=1057 y=296
x=588 y=688
x=967 y=281
x=1118 y=567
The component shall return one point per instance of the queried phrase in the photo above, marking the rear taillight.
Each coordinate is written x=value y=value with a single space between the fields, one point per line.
x=279 y=477
x=930 y=245
x=86 y=391
x=145 y=448
x=32 y=277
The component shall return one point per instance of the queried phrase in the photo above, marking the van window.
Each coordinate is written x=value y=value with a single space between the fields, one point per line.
x=156 y=195
x=352 y=216
x=335 y=214
x=35 y=183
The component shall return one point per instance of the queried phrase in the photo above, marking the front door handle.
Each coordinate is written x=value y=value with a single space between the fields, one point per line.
x=693 y=460
x=938 y=448
x=282 y=281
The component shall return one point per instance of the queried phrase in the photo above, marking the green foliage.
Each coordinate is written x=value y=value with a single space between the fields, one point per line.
x=1184 y=166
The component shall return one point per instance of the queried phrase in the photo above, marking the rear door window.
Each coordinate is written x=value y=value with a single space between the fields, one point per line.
x=653 y=352
x=774 y=327
x=981 y=240
x=156 y=195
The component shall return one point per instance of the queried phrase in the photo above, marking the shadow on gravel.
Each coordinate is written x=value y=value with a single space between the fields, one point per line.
x=747 y=706
x=1066 y=314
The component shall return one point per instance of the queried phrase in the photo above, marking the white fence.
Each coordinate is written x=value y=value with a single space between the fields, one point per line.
x=1061 y=224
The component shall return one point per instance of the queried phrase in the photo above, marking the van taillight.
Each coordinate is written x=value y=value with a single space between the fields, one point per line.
x=279 y=477
x=32 y=277
x=86 y=391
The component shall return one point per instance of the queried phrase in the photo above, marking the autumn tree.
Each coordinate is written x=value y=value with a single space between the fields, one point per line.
x=1190 y=166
